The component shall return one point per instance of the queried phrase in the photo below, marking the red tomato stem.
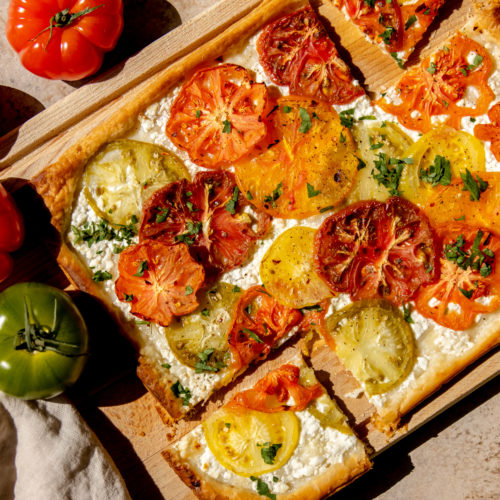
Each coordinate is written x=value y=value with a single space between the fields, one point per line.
x=62 y=19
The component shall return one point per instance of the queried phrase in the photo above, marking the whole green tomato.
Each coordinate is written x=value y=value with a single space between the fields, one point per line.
x=43 y=341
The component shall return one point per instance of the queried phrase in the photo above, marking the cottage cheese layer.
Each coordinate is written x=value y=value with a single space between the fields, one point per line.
x=317 y=450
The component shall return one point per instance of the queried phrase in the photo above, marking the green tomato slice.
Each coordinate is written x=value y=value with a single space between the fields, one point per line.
x=199 y=339
x=373 y=138
x=43 y=341
x=374 y=342
x=124 y=173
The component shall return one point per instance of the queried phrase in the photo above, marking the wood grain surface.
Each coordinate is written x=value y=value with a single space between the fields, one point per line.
x=126 y=418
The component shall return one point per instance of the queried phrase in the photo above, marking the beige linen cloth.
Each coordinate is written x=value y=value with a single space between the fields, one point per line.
x=47 y=452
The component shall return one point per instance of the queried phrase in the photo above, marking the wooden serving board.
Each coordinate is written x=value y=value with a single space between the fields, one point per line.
x=126 y=418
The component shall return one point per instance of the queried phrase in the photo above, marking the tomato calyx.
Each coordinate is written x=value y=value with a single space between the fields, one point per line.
x=36 y=337
x=62 y=19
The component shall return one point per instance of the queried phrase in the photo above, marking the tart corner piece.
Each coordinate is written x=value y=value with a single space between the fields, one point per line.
x=300 y=447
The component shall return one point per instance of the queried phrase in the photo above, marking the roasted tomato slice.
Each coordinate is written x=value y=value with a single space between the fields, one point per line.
x=309 y=165
x=440 y=82
x=295 y=50
x=491 y=131
x=218 y=115
x=451 y=203
x=259 y=322
x=373 y=249
x=272 y=393
x=470 y=277
x=379 y=20
x=158 y=280
x=206 y=214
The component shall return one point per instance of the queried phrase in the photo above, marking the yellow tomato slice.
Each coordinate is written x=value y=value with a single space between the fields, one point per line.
x=372 y=139
x=462 y=150
x=309 y=165
x=374 y=342
x=199 y=339
x=238 y=439
x=124 y=173
x=287 y=270
x=450 y=203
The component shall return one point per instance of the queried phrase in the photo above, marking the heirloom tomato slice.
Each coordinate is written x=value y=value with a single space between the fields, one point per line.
x=436 y=86
x=158 y=280
x=295 y=50
x=373 y=138
x=287 y=270
x=470 y=277
x=375 y=343
x=272 y=393
x=124 y=173
x=491 y=131
x=309 y=165
x=206 y=214
x=461 y=149
x=219 y=115
x=237 y=438
x=199 y=339
x=259 y=323
x=452 y=202
x=377 y=250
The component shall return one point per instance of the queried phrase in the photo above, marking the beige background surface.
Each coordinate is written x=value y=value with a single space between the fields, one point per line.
x=456 y=456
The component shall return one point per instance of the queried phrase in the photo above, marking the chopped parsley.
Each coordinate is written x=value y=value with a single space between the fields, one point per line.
x=227 y=127
x=268 y=451
x=167 y=366
x=262 y=487
x=466 y=293
x=249 y=195
x=389 y=172
x=476 y=259
x=101 y=276
x=361 y=163
x=203 y=364
x=228 y=425
x=198 y=113
x=236 y=289
x=143 y=266
x=315 y=307
x=189 y=290
x=397 y=59
x=311 y=192
x=286 y=109
x=181 y=392
x=342 y=138
x=437 y=173
x=474 y=186
x=252 y=335
x=162 y=214
x=128 y=297
x=367 y=117
x=347 y=118
x=305 y=124
x=278 y=191
x=387 y=35
x=205 y=312
x=411 y=21
x=407 y=313
x=475 y=63
x=432 y=68
x=275 y=479
x=463 y=71
x=325 y=209
x=462 y=217
x=94 y=232
x=191 y=207
x=193 y=228
x=231 y=204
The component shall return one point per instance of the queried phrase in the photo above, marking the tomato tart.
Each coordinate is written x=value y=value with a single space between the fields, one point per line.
x=253 y=194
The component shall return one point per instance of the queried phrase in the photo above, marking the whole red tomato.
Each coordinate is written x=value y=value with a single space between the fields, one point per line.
x=11 y=232
x=63 y=39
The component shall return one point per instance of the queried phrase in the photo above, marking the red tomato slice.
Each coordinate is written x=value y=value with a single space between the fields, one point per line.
x=491 y=132
x=259 y=322
x=11 y=223
x=295 y=50
x=439 y=82
x=158 y=280
x=218 y=116
x=373 y=249
x=381 y=18
x=271 y=393
x=450 y=307
x=206 y=214
x=75 y=47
